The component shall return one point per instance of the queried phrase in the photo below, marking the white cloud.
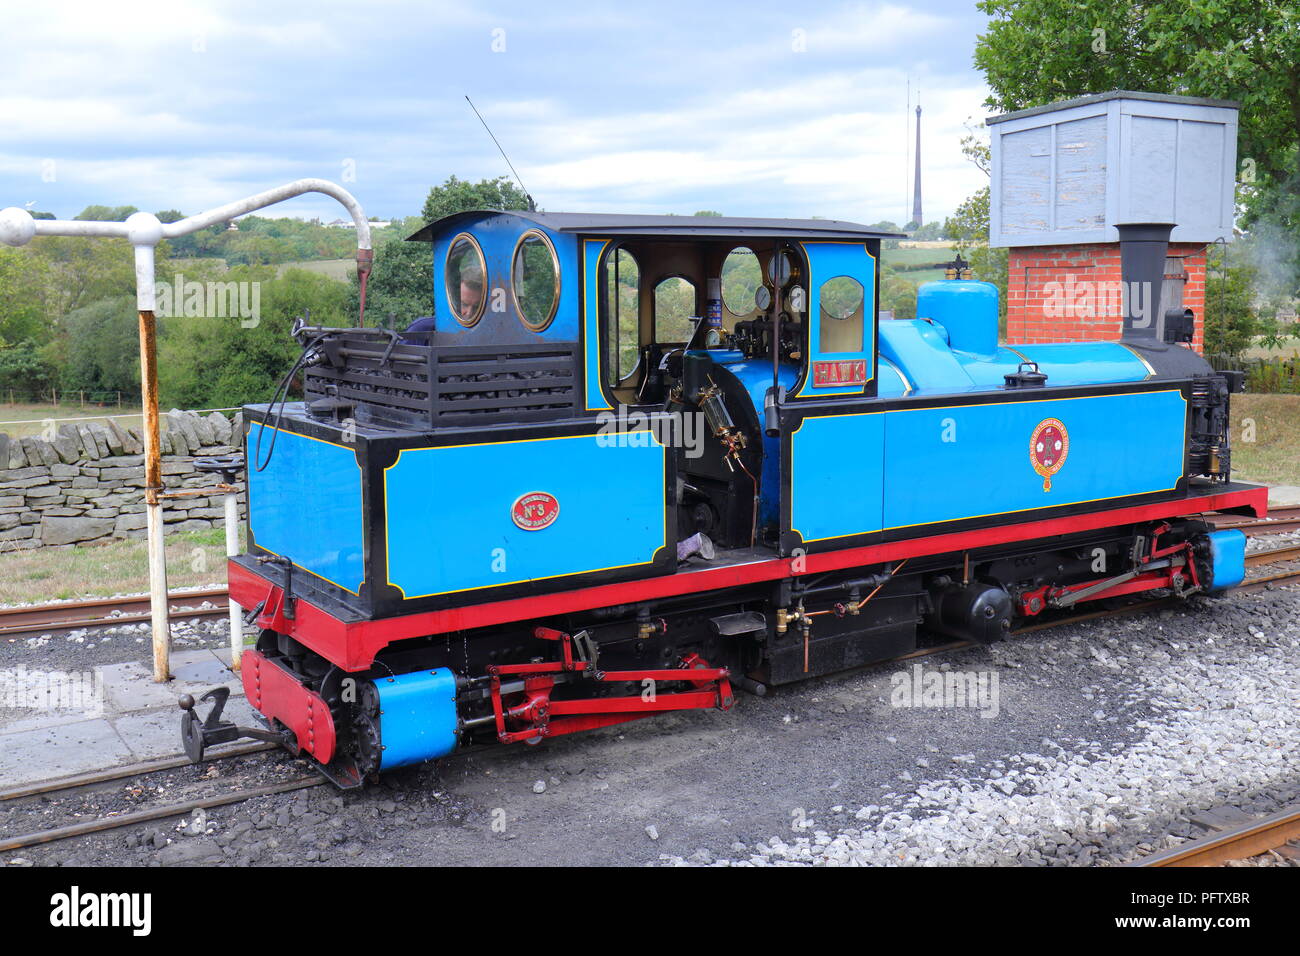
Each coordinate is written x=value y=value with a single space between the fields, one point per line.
x=627 y=108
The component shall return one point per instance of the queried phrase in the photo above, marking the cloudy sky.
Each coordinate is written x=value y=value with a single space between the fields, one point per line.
x=768 y=109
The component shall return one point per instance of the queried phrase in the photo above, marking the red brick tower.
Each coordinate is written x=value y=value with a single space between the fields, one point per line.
x=1070 y=292
x=1065 y=174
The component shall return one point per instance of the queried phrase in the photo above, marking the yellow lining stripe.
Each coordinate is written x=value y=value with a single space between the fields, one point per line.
x=1151 y=372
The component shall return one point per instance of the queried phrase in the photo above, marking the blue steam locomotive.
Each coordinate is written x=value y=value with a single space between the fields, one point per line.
x=638 y=462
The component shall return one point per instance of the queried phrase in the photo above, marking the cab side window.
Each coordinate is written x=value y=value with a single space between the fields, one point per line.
x=841 y=315
x=674 y=307
x=622 y=316
x=741 y=278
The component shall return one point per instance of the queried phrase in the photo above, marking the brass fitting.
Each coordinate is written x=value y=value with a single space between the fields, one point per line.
x=648 y=629
x=786 y=617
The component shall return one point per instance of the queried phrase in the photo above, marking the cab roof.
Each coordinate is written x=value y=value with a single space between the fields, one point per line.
x=696 y=227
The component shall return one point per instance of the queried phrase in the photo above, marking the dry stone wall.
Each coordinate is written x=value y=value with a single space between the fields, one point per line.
x=87 y=483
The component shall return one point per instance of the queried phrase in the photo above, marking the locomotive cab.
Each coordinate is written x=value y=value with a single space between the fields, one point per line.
x=711 y=336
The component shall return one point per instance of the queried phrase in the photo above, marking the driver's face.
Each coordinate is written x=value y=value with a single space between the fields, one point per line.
x=470 y=296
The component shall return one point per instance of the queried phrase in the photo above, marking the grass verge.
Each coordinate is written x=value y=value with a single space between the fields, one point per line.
x=102 y=570
x=1266 y=438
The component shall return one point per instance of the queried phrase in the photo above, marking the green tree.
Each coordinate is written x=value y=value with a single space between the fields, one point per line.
x=897 y=294
x=929 y=232
x=400 y=289
x=26 y=369
x=887 y=225
x=252 y=249
x=101 y=352
x=85 y=270
x=27 y=296
x=1231 y=319
x=458 y=195
x=216 y=362
x=107 y=213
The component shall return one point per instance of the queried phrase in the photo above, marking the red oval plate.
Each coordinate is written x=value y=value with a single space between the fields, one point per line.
x=535 y=510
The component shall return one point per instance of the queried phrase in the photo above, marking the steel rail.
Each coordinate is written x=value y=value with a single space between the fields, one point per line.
x=1273 y=556
x=1258 y=584
x=157 y=813
x=65 y=615
x=1278 y=520
x=1235 y=843
x=60 y=784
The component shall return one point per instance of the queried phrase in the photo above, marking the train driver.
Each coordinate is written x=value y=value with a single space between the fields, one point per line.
x=471 y=290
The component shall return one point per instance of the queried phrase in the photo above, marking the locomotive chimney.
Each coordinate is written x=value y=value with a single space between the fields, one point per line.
x=1142 y=250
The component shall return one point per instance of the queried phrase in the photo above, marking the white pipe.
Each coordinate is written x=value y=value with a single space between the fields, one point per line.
x=159 y=612
x=183 y=227
x=145 y=231
x=232 y=549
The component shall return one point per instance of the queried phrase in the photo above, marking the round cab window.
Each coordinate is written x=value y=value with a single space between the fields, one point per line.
x=841 y=322
x=841 y=297
x=535 y=280
x=465 y=278
x=741 y=278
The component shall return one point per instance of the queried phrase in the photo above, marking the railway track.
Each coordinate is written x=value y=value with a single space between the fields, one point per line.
x=1240 y=842
x=67 y=615
x=1273 y=556
x=69 y=785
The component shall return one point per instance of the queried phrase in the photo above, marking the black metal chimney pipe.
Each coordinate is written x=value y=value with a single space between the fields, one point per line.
x=1143 y=247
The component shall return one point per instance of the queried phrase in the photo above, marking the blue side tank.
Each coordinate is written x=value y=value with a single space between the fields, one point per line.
x=968 y=311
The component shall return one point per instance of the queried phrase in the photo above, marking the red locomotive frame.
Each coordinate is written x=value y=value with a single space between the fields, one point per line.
x=352 y=645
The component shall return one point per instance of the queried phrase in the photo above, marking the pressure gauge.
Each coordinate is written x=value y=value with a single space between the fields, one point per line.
x=780 y=269
x=763 y=298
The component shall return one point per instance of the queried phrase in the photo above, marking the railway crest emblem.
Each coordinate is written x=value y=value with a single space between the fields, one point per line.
x=535 y=510
x=1048 y=448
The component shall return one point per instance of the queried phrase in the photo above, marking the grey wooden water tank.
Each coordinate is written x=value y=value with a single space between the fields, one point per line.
x=1068 y=171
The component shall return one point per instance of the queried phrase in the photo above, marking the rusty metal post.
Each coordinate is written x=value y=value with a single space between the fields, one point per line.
x=153 y=486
